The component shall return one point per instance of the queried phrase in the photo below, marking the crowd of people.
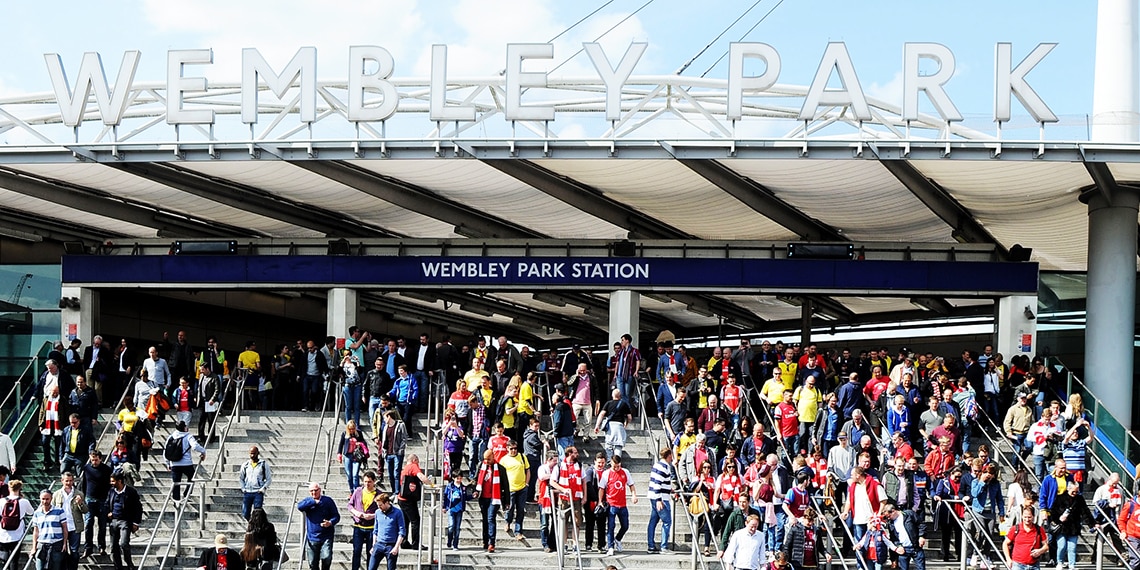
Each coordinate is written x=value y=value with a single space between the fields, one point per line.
x=776 y=454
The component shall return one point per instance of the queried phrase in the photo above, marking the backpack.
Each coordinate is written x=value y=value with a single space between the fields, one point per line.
x=10 y=518
x=174 y=452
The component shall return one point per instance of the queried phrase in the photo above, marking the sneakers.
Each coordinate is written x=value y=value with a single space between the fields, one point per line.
x=491 y=548
x=652 y=550
x=617 y=545
x=610 y=552
x=665 y=550
x=547 y=549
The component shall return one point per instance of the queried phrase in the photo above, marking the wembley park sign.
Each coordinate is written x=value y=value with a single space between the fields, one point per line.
x=372 y=93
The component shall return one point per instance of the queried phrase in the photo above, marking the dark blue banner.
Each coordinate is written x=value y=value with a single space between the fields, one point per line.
x=964 y=278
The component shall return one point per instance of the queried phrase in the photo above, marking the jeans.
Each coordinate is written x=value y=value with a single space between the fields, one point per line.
x=382 y=552
x=71 y=559
x=96 y=511
x=177 y=472
x=1133 y=553
x=319 y=553
x=373 y=404
x=361 y=542
x=50 y=446
x=913 y=559
x=478 y=446
x=1018 y=448
x=121 y=544
x=1020 y=566
x=405 y=409
x=54 y=558
x=70 y=464
x=1039 y=466
x=310 y=389
x=804 y=440
x=394 y=464
x=351 y=403
x=454 y=526
x=352 y=473
x=517 y=510
x=546 y=521
x=665 y=517
x=966 y=430
x=562 y=443
x=624 y=384
x=250 y=501
x=622 y=514
x=1067 y=549
x=421 y=384
x=489 y=513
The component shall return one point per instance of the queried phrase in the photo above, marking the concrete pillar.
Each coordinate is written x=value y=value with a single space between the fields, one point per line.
x=1111 y=305
x=1015 y=326
x=343 y=306
x=625 y=316
x=79 y=321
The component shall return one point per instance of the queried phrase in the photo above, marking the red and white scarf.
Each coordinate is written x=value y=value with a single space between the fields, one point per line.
x=492 y=471
x=570 y=477
x=51 y=417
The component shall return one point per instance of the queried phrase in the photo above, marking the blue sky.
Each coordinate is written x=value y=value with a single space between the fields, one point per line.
x=477 y=32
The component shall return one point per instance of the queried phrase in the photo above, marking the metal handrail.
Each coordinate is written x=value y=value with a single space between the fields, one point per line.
x=19 y=543
x=179 y=507
x=297 y=490
x=966 y=533
x=15 y=390
x=213 y=472
x=1130 y=441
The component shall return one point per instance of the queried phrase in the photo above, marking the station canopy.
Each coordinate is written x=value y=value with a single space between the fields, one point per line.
x=672 y=168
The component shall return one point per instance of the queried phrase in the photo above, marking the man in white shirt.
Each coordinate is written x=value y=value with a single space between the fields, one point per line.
x=745 y=549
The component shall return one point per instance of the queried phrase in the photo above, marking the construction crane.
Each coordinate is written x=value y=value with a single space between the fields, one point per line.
x=18 y=292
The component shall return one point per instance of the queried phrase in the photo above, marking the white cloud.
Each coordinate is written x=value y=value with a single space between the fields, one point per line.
x=890 y=92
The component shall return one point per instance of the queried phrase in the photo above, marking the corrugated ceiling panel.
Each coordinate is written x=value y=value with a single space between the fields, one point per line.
x=477 y=185
x=1032 y=203
x=141 y=190
x=865 y=305
x=66 y=214
x=860 y=198
x=673 y=194
x=768 y=308
x=303 y=186
x=1125 y=172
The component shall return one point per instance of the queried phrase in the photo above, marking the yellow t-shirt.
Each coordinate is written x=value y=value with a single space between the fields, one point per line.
x=508 y=419
x=250 y=359
x=526 y=399
x=807 y=403
x=128 y=419
x=774 y=389
x=474 y=379
x=366 y=498
x=516 y=470
x=788 y=373
x=684 y=441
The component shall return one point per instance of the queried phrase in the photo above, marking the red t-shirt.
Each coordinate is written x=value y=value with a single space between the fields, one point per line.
x=789 y=419
x=615 y=483
x=1023 y=541
x=732 y=398
x=184 y=401
x=498 y=446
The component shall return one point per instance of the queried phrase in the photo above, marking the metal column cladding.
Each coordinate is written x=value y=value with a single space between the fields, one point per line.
x=953 y=278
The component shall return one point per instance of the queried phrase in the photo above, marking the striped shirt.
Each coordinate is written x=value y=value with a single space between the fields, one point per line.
x=661 y=481
x=1074 y=454
x=627 y=358
x=50 y=525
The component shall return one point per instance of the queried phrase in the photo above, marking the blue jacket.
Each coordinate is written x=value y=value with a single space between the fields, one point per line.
x=850 y=398
x=1048 y=492
x=663 y=365
x=987 y=495
x=664 y=396
x=317 y=512
x=405 y=389
x=455 y=498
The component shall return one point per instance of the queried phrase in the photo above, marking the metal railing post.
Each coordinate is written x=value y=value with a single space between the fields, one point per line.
x=1099 y=553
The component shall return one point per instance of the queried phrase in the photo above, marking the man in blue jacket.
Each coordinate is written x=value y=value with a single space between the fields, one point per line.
x=388 y=534
x=1054 y=484
x=321 y=516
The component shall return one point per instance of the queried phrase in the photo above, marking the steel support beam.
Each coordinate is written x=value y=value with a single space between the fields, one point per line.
x=965 y=228
x=763 y=201
x=445 y=318
x=414 y=198
x=103 y=204
x=51 y=228
x=587 y=199
x=253 y=200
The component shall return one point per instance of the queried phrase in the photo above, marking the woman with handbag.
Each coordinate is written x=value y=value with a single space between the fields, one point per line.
x=353 y=454
x=701 y=488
